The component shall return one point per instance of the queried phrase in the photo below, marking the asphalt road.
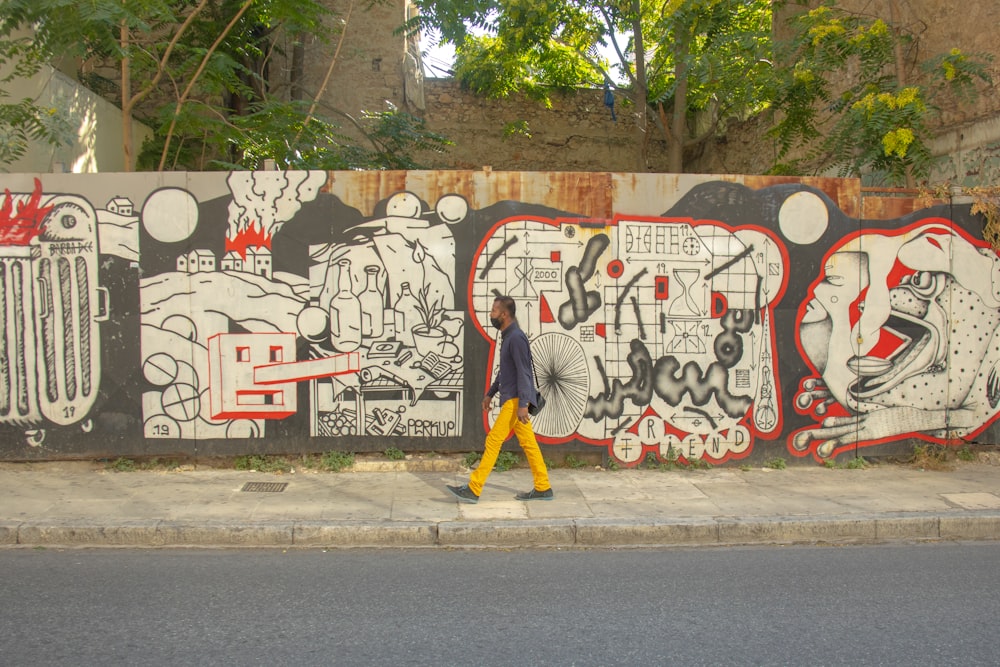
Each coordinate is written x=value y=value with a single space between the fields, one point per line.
x=924 y=604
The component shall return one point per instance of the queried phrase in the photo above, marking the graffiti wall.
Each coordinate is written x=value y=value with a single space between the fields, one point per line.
x=688 y=317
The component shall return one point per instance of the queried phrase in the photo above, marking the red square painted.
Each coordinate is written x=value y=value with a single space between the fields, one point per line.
x=662 y=287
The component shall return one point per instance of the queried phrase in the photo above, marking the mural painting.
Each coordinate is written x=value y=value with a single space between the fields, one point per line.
x=648 y=334
x=689 y=318
x=52 y=304
x=900 y=331
x=364 y=320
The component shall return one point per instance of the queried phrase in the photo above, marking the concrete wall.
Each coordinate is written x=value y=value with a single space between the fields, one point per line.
x=95 y=142
x=726 y=319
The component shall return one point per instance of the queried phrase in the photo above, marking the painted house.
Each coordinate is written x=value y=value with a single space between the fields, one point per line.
x=258 y=260
x=121 y=206
x=201 y=261
x=232 y=261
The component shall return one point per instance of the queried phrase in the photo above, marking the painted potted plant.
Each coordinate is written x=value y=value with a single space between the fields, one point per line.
x=429 y=335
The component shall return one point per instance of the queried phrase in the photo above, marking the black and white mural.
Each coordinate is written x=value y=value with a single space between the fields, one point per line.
x=306 y=311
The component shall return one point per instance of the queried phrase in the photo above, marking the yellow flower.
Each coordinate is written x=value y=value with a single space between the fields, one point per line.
x=878 y=28
x=897 y=142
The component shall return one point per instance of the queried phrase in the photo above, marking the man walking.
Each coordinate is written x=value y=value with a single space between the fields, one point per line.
x=516 y=385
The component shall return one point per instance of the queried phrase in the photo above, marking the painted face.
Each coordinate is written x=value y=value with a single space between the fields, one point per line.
x=882 y=327
x=827 y=326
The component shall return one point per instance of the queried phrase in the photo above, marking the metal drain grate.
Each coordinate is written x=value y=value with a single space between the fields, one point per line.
x=265 y=487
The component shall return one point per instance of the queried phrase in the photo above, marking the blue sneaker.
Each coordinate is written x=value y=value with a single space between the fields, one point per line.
x=463 y=493
x=536 y=495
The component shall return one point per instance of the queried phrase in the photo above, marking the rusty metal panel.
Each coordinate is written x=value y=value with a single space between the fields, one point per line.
x=584 y=193
x=359 y=188
x=885 y=204
x=432 y=185
x=845 y=192
x=653 y=194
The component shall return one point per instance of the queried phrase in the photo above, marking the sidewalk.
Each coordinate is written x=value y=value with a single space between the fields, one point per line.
x=77 y=504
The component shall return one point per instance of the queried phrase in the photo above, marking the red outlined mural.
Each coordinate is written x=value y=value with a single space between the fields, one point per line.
x=649 y=335
x=900 y=331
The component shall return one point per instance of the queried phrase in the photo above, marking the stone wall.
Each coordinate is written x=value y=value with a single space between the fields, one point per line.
x=577 y=133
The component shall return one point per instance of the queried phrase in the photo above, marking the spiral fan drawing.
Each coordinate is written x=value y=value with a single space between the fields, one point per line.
x=564 y=380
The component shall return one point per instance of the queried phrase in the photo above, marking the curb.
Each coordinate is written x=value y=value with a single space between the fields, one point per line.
x=573 y=533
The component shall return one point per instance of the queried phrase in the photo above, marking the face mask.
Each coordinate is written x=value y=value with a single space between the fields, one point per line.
x=495 y=322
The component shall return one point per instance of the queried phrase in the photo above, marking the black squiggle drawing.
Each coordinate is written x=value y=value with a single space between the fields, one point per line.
x=728 y=345
x=662 y=379
x=638 y=318
x=621 y=427
x=639 y=388
x=703 y=413
x=701 y=387
x=581 y=303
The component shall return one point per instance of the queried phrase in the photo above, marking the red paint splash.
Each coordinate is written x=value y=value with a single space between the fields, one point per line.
x=26 y=223
x=250 y=236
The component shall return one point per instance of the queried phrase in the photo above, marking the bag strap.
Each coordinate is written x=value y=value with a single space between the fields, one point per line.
x=531 y=359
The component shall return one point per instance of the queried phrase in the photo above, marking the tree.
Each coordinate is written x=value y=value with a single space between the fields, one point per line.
x=24 y=120
x=196 y=70
x=845 y=98
x=671 y=59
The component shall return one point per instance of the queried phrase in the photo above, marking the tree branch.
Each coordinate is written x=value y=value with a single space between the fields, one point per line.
x=329 y=72
x=194 y=78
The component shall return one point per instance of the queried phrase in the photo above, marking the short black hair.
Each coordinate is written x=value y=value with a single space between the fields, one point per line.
x=507 y=303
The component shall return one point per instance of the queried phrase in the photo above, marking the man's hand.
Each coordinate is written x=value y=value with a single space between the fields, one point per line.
x=486 y=402
x=522 y=414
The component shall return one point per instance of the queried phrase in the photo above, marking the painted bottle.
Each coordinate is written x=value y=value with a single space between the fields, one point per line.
x=405 y=315
x=345 y=312
x=372 y=323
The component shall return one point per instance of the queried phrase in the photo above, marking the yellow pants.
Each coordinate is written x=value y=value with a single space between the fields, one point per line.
x=505 y=423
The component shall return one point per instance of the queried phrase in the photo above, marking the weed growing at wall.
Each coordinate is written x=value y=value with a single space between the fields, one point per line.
x=965 y=453
x=258 y=463
x=122 y=464
x=336 y=461
x=931 y=457
x=394 y=454
x=506 y=461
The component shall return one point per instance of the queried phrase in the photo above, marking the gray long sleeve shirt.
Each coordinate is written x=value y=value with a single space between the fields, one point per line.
x=516 y=376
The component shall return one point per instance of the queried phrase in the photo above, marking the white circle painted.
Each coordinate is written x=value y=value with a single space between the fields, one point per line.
x=803 y=218
x=170 y=215
x=739 y=439
x=693 y=448
x=452 y=209
x=404 y=205
x=651 y=430
x=627 y=448
x=312 y=323
x=160 y=369
x=670 y=448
